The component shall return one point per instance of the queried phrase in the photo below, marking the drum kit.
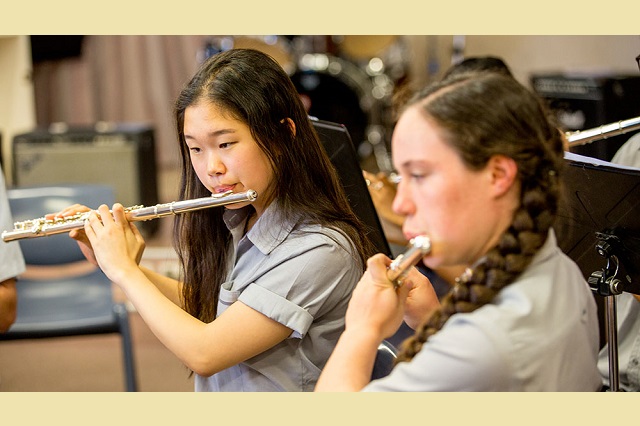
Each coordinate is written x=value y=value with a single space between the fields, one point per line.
x=348 y=79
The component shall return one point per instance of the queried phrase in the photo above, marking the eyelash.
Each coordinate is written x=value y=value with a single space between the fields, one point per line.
x=223 y=145
x=417 y=177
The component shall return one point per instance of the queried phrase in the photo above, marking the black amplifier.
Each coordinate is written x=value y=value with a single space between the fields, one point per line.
x=582 y=102
x=120 y=155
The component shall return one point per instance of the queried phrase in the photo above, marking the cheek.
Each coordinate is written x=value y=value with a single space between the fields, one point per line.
x=438 y=205
x=199 y=167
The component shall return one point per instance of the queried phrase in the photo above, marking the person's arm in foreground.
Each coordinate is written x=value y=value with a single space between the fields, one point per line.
x=375 y=312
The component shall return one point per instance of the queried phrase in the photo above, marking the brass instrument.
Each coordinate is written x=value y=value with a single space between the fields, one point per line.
x=42 y=227
x=583 y=137
x=418 y=247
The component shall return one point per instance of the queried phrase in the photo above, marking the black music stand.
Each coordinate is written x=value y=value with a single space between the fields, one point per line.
x=338 y=145
x=599 y=224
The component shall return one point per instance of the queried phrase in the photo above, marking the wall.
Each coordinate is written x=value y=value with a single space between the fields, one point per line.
x=17 y=103
x=528 y=54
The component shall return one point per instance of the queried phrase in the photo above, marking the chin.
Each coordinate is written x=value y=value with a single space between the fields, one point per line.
x=236 y=206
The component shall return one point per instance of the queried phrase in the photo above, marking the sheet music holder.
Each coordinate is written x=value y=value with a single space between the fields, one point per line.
x=602 y=207
x=599 y=228
x=341 y=150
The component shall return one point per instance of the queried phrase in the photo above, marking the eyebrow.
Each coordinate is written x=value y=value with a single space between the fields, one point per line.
x=412 y=162
x=215 y=133
x=222 y=132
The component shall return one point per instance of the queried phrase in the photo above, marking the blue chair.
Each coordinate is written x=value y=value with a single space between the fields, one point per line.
x=66 y=303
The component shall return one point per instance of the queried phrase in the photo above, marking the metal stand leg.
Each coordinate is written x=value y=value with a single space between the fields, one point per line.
x=611 y=319
x=605 y=283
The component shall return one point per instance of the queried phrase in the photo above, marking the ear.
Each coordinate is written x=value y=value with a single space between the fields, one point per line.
x=291 y=124
x=503 y=173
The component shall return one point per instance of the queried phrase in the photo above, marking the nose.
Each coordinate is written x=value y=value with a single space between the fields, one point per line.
x=215 y=165
x=403 y=202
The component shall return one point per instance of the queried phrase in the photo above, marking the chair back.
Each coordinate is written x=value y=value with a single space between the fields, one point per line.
x=36 y=201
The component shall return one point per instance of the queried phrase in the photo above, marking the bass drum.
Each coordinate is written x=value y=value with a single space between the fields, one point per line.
x=333 y=89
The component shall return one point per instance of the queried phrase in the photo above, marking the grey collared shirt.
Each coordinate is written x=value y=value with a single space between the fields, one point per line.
x=540 y=333
x=300 y=276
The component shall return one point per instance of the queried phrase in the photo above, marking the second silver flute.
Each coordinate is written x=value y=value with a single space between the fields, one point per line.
x=419 y=246
x=42 y=227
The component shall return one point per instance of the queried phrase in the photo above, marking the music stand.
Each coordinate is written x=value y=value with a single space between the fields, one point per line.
x=338 y=145
x=599 y=228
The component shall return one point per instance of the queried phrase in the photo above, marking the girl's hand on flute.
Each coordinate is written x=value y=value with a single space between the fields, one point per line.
x=117 y=243
x=77 y=234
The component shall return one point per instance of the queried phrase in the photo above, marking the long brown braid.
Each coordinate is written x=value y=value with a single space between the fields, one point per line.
x=481 y=116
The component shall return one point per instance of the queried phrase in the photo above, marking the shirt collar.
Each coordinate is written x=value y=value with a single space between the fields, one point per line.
x=268 y=231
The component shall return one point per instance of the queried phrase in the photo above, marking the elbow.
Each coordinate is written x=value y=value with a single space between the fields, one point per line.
x=203 y=370
x=203 y=366
x=8 y=305
x=8 y=318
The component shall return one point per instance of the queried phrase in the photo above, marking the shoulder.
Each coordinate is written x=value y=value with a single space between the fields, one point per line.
x=322 y=238
x=445 y=362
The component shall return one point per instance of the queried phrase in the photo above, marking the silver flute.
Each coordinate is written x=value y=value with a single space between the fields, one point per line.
x=419 y=246
x=42 y=227
x=582 y=137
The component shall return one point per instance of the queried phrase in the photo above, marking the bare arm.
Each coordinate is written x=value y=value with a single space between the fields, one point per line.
x=375 y=312
x=169 y=287
x=238 y=334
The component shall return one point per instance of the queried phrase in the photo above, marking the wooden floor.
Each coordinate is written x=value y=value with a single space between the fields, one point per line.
x=90 y=364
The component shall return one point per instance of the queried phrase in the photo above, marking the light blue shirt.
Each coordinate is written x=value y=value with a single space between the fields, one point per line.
x=301 y=277
x=540 y=333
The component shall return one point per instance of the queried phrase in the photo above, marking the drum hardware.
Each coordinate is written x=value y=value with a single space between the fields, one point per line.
x=339 y=91
x=376 y=139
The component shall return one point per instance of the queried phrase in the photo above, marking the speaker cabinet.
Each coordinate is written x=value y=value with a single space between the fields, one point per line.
x=582 y=102
x=119 y=155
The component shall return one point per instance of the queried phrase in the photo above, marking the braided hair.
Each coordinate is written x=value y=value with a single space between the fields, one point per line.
x=480 y=116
